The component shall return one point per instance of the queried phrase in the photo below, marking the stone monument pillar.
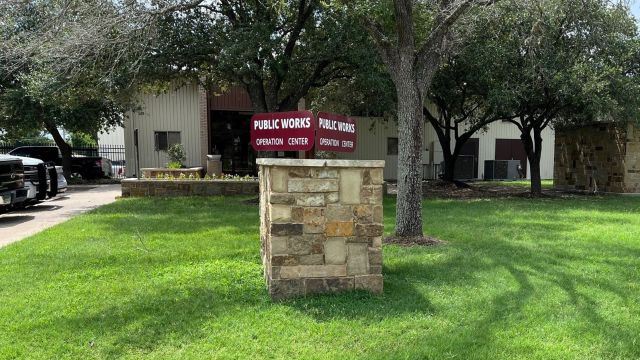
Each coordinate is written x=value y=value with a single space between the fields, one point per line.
x=321 y=226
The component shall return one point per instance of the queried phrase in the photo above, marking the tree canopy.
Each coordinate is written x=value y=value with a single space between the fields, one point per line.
x=52 y=77
x=278 y=51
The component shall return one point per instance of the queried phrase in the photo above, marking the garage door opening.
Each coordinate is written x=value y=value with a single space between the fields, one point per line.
x=512 y=149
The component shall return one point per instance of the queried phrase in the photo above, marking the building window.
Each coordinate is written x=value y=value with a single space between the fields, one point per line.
x=166 y=139
x=392 y=146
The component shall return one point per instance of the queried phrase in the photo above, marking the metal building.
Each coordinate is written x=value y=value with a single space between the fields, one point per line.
x=206 y=122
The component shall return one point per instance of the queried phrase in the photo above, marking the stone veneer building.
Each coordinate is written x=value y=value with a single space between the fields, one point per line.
x=321 y=226
x=598 y=158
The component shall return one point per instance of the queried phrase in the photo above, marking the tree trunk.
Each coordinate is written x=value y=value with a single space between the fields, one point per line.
x=444 y=138
x=451 y=157
x=536 y=180
x=258 y=101
x=533 y=148
x=257 y=96
x=412 y=71
x=449 y=166
x=410 y=129
x=65 y=149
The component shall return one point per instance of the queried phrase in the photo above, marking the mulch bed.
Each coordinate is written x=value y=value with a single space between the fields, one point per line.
x=438 y=189
x=414 y=241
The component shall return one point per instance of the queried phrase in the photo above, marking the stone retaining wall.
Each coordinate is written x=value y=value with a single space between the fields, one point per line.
x=150 y=187
x=321 y=226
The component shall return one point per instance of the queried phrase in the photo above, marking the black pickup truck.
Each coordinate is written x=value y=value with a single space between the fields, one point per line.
x=88 y=167
x=12 y=190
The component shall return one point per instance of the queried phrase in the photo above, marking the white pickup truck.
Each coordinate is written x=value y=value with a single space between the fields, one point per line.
x=41 y=180
x=12 y=190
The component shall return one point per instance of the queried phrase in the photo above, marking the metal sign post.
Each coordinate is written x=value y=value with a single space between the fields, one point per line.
x=135 y=143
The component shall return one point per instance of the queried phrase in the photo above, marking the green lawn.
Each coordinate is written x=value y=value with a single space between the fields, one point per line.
x=181 y=278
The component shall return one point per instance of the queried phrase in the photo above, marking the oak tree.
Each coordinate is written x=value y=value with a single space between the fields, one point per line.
x=411 y=38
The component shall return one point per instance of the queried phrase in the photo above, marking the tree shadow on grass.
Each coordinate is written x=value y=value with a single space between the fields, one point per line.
x=169 y=314
x=180 y=216
x=533 y=276
x=548 y=259
x=162 y=316
x=400 y=298
x=537 y=274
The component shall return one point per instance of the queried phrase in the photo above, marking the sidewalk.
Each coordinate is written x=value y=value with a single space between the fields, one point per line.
x=15 y=226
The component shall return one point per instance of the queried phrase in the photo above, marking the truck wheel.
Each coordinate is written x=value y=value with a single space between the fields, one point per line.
x=42 y=182
x=53 y=177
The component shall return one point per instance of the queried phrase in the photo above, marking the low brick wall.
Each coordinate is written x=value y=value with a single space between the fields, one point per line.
x=152 y=173
x=149 y=187
x=321 y=226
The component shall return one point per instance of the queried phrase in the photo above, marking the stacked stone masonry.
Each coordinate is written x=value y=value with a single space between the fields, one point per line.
x=170 y=188
x=602 y=158
x=321 y=226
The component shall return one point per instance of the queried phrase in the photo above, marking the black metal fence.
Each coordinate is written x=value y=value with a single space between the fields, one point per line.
x=5 y=147
x=115 y=153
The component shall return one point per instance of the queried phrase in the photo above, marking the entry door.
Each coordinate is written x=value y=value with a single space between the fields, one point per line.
x=230 y=137
x=512 y=149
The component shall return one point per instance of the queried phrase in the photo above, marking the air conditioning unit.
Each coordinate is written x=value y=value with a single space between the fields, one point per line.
x=464 y=168
x=501 y=169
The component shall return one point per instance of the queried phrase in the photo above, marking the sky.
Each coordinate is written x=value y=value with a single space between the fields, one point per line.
x=635 y=8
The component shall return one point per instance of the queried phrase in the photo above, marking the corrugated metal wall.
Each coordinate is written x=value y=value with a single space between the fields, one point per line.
x=114 y=136
x=372 y=143
x=178 y=110
x=235 y=99
x=373 y=134
x=175 y=110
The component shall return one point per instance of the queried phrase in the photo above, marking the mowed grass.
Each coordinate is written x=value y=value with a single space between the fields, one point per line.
x=182 y=278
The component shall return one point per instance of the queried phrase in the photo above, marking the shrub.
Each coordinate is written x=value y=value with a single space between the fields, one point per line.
x=177 y=155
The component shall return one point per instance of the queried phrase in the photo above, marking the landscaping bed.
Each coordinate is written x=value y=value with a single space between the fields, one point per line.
x=438 y=189
x=152 y=173
x=182 y=278
x=163 y=187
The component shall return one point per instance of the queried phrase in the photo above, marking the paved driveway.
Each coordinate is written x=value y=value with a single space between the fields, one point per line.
x=15 y=226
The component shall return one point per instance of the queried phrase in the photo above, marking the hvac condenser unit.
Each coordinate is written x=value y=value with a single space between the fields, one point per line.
x=501 y=169
x=465 y=167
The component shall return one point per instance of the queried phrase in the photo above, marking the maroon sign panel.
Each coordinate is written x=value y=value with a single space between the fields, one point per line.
x=335 y=133
x=284 y=131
